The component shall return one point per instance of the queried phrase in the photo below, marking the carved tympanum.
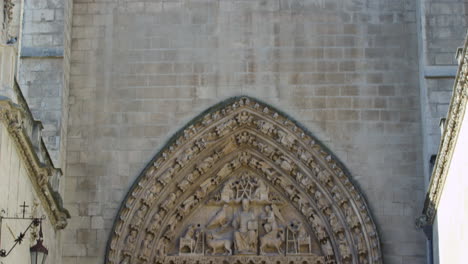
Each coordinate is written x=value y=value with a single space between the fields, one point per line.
x=244 y=184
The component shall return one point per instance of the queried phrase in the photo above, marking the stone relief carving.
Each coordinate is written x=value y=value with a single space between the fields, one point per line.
x=298 y=240
x=246 y=183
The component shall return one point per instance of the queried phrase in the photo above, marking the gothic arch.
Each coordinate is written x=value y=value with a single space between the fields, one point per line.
x=243 y=152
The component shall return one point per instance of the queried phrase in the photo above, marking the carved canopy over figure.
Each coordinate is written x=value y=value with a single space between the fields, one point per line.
x=243 y=172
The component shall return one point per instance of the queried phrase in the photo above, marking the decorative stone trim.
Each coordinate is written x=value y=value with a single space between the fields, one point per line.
x=241 y=260
x=196 y=170
x=14 y=117
x=447 y=145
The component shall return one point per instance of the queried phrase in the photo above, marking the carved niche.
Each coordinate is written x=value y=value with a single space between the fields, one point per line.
x=244 y=184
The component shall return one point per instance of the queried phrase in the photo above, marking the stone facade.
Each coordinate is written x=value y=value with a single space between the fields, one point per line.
x=245 y=180
x=443 y=25
x=112 y=81
x=141 y=70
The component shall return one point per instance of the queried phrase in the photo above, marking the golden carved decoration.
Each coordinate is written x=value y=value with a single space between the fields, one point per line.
x=244 y=183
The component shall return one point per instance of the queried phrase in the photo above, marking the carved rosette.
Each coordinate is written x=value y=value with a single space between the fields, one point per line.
x=209 y=166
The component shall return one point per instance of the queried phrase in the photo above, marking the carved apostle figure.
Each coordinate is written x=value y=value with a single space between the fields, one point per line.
x=245 y=237
x=139 y=216
x=130 y=241
x=146 y=247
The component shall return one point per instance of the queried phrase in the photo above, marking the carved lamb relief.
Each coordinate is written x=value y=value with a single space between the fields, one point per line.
x=244 y=184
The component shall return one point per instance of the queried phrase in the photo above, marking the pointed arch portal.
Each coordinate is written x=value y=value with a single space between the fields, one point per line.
x=243 y=183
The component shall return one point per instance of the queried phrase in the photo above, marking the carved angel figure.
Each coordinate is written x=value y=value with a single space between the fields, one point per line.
x=335 y=224
x=227 y=193
x=345 y=252
x=244 y=118
x=261 y=193
x=265 y=127
x=186 y=182
x=166 y=176
x=321 y=201
x=169 y=201
x=324 y=177
x=361 y=244
x=351 y=217
x=265 y=168
x=152 y=193
x=220 y=218
x=155 y=223
x=286 y=139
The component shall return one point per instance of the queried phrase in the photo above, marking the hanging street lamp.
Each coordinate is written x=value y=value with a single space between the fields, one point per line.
x=38 y=251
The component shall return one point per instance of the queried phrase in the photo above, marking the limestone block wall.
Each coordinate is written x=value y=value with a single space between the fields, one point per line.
x=41 y=82
x=16 y=188
x=346 y=70
x=68 y=13
x=445 y=23
x=443 y=27
x=41 y=67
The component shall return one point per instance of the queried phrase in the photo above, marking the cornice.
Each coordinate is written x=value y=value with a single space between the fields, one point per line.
x=449 y=138
x=14 y=117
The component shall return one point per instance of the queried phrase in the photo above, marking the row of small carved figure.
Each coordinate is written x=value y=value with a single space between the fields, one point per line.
x=293 y=194
x=172 y=198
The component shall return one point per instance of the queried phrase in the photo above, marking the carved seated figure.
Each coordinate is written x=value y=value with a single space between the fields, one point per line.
x=298 y=237
x=188 y=241
x=245 y=238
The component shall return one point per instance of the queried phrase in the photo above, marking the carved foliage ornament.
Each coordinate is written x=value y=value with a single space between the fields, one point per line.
x=244 y=183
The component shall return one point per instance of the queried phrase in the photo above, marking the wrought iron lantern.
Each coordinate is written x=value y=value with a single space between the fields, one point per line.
x=38 y=251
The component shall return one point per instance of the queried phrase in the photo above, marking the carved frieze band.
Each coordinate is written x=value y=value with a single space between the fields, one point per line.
x=13 y=117
x=271 y=189
x=452 y=127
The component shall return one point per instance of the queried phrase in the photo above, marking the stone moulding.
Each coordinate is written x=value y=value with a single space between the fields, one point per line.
x=240 y=259
x=242 y=134
x=453 y=124
x=14 y=117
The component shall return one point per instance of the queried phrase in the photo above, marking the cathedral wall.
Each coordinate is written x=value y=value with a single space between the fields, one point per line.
x=443 y=25
x=41 y=82
x=346 y=70
x=41 y=67
x=16 y=188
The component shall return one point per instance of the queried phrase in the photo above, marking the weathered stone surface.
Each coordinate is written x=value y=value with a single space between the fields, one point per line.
x=141 y=73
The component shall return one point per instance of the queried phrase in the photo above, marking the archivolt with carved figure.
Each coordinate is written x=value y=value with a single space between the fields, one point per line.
x=243 y=184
